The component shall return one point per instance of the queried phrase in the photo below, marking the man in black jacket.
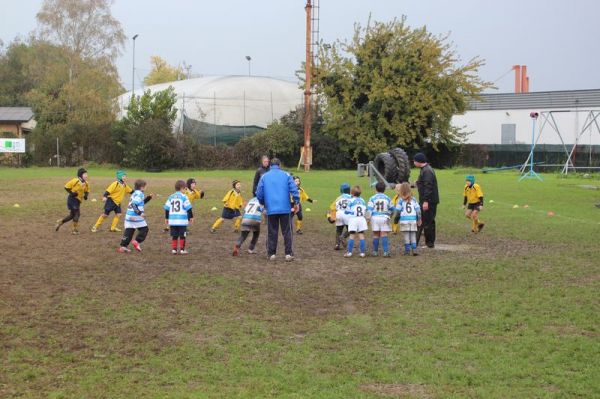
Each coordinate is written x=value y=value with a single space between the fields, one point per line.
x=429 y=198
x=264 y=168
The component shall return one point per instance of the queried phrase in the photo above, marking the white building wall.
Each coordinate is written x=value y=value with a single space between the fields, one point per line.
x=486 y=126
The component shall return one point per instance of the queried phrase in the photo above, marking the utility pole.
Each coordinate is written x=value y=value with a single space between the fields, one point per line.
x=133 y=68
x=307 y=88
x=249 y=59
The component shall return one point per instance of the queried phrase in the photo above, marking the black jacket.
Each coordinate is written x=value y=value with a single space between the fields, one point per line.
x=427 y=185
x=259 y=172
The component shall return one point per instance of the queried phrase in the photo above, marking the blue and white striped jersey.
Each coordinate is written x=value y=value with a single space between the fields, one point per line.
x=380 y=205
x=410 y=211
x=178 y=206
x=135 y=209
x=252 y=212
x=356 y=207
x=342 y=202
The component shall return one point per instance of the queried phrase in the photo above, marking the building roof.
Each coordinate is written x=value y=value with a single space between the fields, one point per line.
x=15 y=114
x=567 y=99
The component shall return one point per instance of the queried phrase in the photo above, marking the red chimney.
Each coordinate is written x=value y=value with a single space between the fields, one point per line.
x=517 y=69
x=524 y=79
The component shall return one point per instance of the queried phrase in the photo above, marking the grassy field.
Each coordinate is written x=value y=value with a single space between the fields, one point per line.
x=511 y=312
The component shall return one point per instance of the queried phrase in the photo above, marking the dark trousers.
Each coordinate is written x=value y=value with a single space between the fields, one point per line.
x=297 y=214
x=273 y=222
x=74 y=215
x=128 y=235
x=244 y=235
x=428 y=225
x=73 y=205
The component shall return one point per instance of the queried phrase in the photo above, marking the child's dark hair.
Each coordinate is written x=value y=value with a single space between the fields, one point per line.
x=356 y=192
x=380 y=187
x=189 y=182
x=233 y=183
x=139 y=183
x=179 y=185
x=297 y=178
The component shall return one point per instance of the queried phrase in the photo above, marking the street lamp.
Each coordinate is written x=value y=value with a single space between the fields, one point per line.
x=133 y=69
x=249 y=60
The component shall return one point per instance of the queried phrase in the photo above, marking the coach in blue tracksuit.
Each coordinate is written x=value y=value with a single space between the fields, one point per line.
x=274 y=191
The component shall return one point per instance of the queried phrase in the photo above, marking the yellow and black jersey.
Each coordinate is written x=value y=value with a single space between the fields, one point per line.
x=473 y=194
x=79 y=187
x=116 y=191
x=233 y=200
x=192 y=194
x=303 y=196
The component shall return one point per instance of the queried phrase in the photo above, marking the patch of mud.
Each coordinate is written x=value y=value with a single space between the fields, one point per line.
x=398 y=390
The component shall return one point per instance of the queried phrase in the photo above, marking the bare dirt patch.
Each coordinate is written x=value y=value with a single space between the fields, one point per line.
x=398 y=390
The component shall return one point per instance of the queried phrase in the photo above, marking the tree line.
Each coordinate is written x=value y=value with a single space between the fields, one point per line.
x=390 y=85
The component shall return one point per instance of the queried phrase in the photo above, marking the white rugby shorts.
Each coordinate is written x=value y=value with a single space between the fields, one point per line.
x=380 y=223
x=357 y=224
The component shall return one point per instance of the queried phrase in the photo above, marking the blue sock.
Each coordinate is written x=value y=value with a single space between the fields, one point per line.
x=363 y=246
x=414 y=245
x=406 y=247
x=375 y=244
x=384 y=242
x=350 y=245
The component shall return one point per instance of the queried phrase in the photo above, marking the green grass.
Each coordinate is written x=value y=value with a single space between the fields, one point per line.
x=516 y=314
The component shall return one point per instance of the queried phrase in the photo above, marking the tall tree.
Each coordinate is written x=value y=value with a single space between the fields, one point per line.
x=394 y=86
x=14 y=79
x=85 y=27
x=162 y=72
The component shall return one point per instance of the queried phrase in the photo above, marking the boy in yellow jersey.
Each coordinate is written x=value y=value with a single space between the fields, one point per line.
x=232 y=205
x=303 y=197
x=112 y=198
x=395 y=200
x=473 y=201
x=78 y=189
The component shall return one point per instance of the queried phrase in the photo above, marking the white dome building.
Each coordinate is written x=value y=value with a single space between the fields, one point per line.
x=222 y=109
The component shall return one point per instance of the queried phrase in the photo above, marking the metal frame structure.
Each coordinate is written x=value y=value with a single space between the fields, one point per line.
x=374 y=175
x=591 y=120
x=547 y=118
x=531 y=174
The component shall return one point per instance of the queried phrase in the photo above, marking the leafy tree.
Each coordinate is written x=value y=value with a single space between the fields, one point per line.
x=85 y=27
x=148 y=140
x=159 y=105
x=14 y=82
x=276 y=140
x=394 y=86
x=162 y=72
x=150 y=145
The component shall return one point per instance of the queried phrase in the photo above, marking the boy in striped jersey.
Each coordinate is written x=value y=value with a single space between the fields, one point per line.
x=250 y=223
x=232 y=205
x=357 y=224
x=409 y=215
x=380 y=207
x=178 y=214
x=192 y=193
x=78 y=189
x=112 y=198
x=135 y=218
x=337 y=214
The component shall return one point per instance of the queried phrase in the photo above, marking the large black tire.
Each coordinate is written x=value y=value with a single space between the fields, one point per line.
x=387 y=166
x=403 y=164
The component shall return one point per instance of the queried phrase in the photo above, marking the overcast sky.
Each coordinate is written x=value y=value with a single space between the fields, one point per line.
x=557 y=40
